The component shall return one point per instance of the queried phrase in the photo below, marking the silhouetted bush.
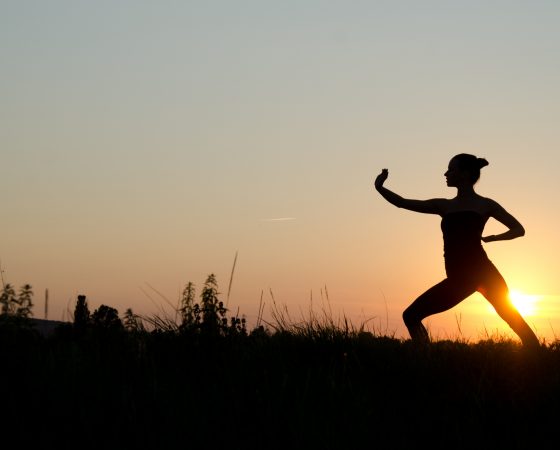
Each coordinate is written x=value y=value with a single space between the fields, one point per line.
x=13 y=304
x=106 y=317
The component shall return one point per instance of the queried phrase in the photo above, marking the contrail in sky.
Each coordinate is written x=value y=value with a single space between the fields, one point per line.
x=279 y=219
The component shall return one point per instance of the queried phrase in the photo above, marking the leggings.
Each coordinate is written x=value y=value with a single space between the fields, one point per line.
x=458 y=285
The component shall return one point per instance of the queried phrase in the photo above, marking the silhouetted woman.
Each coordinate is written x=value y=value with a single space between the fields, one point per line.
x=467 y=266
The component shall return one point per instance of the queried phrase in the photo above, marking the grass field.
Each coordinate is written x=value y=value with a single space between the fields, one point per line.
x=314 y=385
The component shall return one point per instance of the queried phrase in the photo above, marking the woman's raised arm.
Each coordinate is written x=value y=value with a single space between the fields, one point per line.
x=431 y=206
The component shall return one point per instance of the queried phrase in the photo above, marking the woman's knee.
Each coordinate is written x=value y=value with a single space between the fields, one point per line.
x=410 y=317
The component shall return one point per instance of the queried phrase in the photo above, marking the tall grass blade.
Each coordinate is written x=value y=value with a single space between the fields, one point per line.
x=231 y=278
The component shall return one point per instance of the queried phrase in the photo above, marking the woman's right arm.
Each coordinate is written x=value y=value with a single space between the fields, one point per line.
x=432 y=206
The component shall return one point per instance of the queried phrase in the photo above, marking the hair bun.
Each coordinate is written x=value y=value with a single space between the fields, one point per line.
x=482 y=162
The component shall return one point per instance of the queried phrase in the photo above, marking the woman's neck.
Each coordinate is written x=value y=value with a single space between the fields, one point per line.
x=465 y=192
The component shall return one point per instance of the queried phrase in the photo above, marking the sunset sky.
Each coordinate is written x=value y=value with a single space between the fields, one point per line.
x=146 y=143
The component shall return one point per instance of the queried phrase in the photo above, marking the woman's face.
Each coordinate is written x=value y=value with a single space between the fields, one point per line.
x=454 y=175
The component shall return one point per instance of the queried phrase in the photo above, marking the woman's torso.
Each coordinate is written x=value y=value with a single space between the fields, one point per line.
x=462 y=245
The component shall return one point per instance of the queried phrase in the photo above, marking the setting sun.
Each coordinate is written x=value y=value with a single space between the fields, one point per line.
x=526 y=304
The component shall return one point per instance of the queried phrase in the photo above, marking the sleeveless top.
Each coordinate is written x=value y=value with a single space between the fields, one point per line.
x=462 y=245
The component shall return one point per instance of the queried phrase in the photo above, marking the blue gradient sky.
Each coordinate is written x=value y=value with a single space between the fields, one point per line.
x=145 y=143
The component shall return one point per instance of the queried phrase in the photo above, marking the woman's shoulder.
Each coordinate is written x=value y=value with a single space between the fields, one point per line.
x=489 y=203
x=489 y=206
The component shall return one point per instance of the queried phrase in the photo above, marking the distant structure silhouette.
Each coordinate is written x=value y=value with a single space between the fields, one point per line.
x=467 y=265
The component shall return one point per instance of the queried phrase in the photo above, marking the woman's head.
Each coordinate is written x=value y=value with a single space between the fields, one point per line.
x=466 y=167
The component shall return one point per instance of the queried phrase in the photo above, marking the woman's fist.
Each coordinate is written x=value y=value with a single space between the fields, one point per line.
x=381 y=178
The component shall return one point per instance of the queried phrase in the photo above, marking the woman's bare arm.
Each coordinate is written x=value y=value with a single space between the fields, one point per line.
x=515 y=229
x=431 y=206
